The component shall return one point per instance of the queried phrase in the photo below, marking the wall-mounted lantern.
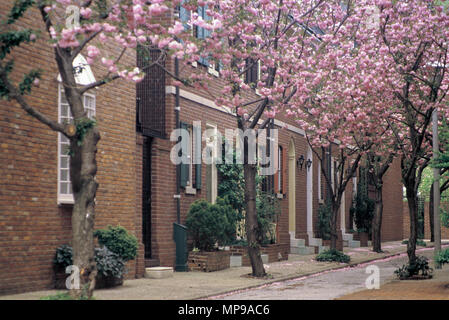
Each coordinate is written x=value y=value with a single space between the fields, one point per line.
x=308 y=164
x=300 y=162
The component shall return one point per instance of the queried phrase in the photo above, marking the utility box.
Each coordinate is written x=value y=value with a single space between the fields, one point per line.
x=180 y=238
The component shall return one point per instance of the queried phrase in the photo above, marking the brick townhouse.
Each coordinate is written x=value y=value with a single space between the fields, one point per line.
x=138 y=182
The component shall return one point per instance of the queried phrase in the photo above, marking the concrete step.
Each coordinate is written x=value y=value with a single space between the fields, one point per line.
x=297 y=242
x=354 y=244
x=302 y=250
x=158 y=272
x=322 y=248
x=315 y=242
x=347 y=236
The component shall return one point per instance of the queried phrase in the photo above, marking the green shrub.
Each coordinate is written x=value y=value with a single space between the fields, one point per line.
x=363 y=207
x=408 y=270
x=109 y=264
x=118 y=240
x=442 y=257
x=209 y=224
x=333 y=255
x=324 y=227
x=268 y=210
x=63 y=257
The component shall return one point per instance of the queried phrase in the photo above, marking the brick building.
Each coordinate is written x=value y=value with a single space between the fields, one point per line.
x=136 y=177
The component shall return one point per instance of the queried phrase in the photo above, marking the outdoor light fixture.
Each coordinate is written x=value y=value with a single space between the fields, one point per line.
x=300 y=162
x=308 y=164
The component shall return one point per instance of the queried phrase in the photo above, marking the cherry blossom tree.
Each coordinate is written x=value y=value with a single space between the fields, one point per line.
x=260 y=46
x=89 y=27
x=412 y=38
x=339 y=101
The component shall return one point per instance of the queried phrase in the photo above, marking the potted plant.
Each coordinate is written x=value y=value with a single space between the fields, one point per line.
x=209 y=226
x=62 y=259
x=117 y=247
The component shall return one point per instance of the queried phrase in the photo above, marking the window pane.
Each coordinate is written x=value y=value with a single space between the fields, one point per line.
x=65 y=149
x=64 y=162
x=64 y=188
x=64 y=175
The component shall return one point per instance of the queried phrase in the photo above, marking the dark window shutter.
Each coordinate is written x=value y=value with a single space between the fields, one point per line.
x=184 y=16
x=197 y=137
x=184 y=167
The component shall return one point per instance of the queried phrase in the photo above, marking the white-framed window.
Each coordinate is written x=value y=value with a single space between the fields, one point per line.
x=198 y=32
x=65 y=195
x=212 y=140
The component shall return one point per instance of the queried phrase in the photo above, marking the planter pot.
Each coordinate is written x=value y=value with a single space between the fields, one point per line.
x=209 y=261
x=107 y=281
x=101 y=280
x=363 y=236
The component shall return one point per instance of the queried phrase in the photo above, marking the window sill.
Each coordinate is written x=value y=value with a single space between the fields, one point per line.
x=320 y=201
x=190 y=190
x=279 y=196
x=66 y=200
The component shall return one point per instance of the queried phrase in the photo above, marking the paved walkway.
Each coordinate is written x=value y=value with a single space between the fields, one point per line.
x=333 y=284
x=197 y=285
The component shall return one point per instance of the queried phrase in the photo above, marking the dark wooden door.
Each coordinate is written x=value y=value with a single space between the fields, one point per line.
x=146 y=196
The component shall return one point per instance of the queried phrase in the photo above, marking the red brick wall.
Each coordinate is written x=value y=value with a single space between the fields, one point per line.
x=406 y=227
x=393 y=204
x=32 y=225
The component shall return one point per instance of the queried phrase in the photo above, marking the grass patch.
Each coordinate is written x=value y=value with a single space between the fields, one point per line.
x=63 y=296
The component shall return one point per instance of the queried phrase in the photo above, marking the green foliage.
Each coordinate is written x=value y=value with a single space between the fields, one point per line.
x=444 y=217
x=18 y=9
x=419 y=242
x=232 y=184
x=119 y=241
x=83 y=125
x=333 y=255
x=27 y=81
x=408 y=270
x=363 y=207
x=11 y=39
x=268 y=210
x=109 y=263
x=442 y=257
x=324 y=216
x=232 y=189
x=209 y=224
x=63 y=256
x=64 y=296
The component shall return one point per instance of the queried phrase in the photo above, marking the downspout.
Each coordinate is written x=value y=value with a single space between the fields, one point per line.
x=179 y=230
x=178 y=167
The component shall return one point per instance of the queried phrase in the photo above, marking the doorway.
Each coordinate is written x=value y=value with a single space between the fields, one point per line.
x=292 y=188
x=146 y=196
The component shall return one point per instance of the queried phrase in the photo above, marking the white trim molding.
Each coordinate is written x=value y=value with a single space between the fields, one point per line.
x=211 y=104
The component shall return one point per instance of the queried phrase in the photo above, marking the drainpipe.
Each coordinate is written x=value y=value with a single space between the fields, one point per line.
x=179 y=230
x=178 y=167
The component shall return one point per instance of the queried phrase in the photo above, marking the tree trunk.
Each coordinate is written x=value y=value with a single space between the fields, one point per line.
x=431 y=214
x=413 y=212
x=333 y=225
x=377 y=221
x=83 y=168
x=251 y=224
